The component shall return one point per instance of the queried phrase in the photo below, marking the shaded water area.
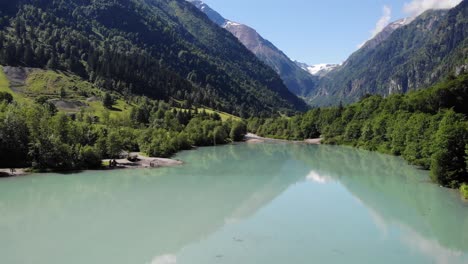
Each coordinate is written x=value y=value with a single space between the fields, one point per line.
x=259 y=203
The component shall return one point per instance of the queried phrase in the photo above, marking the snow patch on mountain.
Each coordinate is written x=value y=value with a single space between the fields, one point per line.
x=317 y=69
x=385 y=33
x=231 y=24
x=399 y=23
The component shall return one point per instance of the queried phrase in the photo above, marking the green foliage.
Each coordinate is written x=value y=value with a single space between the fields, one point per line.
x=464 y=190
x=161 y=49
x=238 y=131
x=220 y=135
x=428 y=128
x=14 y=136
x=56 y=84
x=89 y=158
x=114 y=144
x=4 y=84
x=35 y=133
x=159 y=143
x=6 y=97
x=448 y=166
x=417 y=144
x=108 y=101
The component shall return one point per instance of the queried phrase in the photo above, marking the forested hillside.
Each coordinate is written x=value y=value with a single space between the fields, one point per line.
x=414 y=56
x=428 y=128
x=58 y=121
x=164 y=49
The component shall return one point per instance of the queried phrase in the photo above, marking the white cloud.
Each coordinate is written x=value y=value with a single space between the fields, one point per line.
x=383 y=21
x=412 y=8
x=417 y=7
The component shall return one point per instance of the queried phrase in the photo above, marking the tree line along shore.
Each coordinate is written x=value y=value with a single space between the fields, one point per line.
x=428 y=128
x=34 y=134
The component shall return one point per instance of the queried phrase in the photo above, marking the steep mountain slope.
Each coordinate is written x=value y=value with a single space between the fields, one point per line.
x=296 y=79
x=386 y=33
x=410 y=57
x=161 y=48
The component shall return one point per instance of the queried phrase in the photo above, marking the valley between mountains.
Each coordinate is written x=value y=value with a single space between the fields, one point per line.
x=84 y=80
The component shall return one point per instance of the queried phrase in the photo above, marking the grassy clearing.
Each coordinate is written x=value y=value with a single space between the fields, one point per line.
x=64 y=86
x=4 y=83
x=120 y=109
x=70 y=87
x=5 y=87
x=58 y=84
x=224 y=116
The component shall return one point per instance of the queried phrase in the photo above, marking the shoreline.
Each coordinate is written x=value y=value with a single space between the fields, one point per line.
x=6 y=173
x=144 y=162
x=253 y=138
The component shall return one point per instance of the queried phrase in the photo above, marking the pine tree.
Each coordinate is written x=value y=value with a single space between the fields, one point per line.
x=108 y=101
x=52 y=63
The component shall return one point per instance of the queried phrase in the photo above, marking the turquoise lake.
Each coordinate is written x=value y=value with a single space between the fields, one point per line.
x=237 y=204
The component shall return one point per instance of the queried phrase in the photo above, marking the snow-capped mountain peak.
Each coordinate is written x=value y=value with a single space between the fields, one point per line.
x=295 y=78
x=317 y=69
x=386 y=32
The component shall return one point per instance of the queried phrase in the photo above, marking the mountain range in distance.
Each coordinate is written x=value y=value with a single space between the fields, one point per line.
x=408 y=54
x=166 y=50
x=190 y=54
x=296 y=78
x=317 y=69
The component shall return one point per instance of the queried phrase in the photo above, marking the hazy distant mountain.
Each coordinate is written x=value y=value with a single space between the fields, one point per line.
x=405 y=56
x=296 y=79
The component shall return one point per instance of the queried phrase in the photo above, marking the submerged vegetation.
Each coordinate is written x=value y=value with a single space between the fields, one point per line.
x=428 y=128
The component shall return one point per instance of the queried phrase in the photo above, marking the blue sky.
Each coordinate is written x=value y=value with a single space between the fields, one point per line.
x=318 y=31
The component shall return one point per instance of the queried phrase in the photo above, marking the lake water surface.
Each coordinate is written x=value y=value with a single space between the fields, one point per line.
x=237 y=204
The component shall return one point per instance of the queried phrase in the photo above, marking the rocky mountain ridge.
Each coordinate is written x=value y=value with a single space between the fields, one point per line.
x=295 y=78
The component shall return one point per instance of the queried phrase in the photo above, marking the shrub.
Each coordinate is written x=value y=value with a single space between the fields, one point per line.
x=464 y=190
x=238 y=131
x=7 y=97
x=89 y=158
